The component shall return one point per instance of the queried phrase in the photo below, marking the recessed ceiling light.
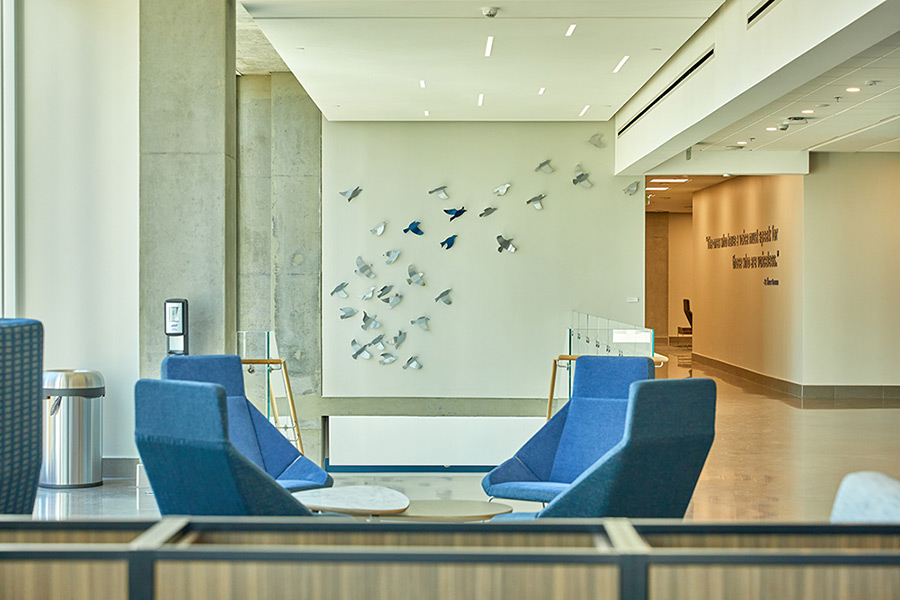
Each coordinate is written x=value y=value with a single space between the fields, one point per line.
x=422 y=83
x=584 y=110
x=680 y=180
x=571 y=30
x=621 y=64
x=656 y=189
x=726 y=174
x=480 y=99
x=771 y=129
x=742 y=143
x=852 y=89
x=427 y=114
x=489 y=46
x=808 y=111
x=541 y=91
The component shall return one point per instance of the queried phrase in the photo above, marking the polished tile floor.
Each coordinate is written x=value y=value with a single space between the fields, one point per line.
x=772 y=460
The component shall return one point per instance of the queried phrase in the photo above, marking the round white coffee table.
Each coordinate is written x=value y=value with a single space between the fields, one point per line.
x=362 y=500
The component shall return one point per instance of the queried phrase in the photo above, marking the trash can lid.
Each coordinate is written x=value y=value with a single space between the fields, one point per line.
x=73 y=382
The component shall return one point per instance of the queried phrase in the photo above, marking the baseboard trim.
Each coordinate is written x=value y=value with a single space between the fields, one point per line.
x=119 y=467
x=822 y=396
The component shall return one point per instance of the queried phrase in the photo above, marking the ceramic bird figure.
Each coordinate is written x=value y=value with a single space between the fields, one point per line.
x=501 y=189
x=414 y=228
x=597 y=140
x=536 y=201
x=367 y=295
x=351 y=194
x=455 y=213
x=379 y=229
x=415 y=276
x=413 y=363
x=398 y=339
x=544 y=166
x=392 y=301
x=377 y=343
x=443 y=297
x=505 y=244
x=632 y=188
x=448 y=243
x=339 y=290
x=392 y=256
x=369 y=322
x=488 y=211
x=581 y=178
x=387 y=358
x=347 y=312
x=359 y=351
x=421 y=322
x=384 y=291
x=363 y=269
x=441 y=192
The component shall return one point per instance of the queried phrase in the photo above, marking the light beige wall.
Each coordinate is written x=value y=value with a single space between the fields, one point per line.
x=78 y=203
x=851 y=269
x=738 y=319
x=681 y=268
x=584 y=251
x=656 y=273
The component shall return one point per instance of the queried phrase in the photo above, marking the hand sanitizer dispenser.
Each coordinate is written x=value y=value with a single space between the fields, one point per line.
x=176 y=310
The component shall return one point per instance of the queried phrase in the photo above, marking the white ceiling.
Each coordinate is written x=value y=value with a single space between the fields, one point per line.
x=363 y=60
x=865 y=121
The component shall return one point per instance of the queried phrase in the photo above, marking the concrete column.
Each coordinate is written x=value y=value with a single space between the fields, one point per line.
x=297 y=231
x=187 y=172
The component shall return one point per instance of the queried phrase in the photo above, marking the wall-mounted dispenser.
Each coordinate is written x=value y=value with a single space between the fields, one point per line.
x=176 y=314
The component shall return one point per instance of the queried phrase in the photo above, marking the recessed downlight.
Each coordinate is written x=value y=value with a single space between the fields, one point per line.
x=808 y=111
x=771 y=129
x=621 y=64
x=742 y=143
x=541 y=91
x=480 y=99
x=427 y=114
x=584 y=110
x=571 y=30
x=852 y=89
x=489 y=46
x=422 y=83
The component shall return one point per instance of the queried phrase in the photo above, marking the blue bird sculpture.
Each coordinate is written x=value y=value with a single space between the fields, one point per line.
x=455 y=213
x=448 y=243
x=414 y=228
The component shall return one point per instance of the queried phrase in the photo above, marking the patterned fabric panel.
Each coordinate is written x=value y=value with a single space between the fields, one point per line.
x=21 y=363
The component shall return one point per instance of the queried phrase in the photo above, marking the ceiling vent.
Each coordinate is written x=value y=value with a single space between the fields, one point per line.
x=760 y=11
x=705 y=58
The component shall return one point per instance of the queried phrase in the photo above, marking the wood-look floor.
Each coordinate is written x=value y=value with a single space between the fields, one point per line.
x=775 y=461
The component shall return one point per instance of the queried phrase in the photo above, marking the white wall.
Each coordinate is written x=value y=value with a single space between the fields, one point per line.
x=584 y=251
x=737 y=319
x=78 y=205
x=681 y=268
x=851 y=269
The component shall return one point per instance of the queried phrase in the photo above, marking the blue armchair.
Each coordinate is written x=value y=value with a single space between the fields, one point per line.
x=182 y=435
x=591 y=423
x=21 y=353
x=652 y=471
x=249 y=430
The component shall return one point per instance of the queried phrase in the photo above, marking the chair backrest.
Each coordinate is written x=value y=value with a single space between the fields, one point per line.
x=592 y=427
x=248 y=429
x=609 y=376
x=21 y=354
x=181 y=431
x=652 y=471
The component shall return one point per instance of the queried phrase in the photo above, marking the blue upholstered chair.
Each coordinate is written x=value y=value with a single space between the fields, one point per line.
x=249 y=430
x=652 y=471
x=182 y=434
x=591 y=423
x=21 y=364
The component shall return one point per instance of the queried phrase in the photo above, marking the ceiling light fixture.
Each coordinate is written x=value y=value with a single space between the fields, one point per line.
x=771 y=129
x=584 y=110
x=422 y=83
x=680 y=180
x=480 y=99
x=852 y=89
x=808 y=111
x=621 y=64
x=726 y=174
x=655 y=189
x=427 y=114
x=571 y=30
x=541 y=91
x=488 y=48
x=742 y=143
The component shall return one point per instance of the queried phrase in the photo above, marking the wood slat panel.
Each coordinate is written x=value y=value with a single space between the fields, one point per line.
x=779 y=540
x=69 y=580
x=768 y=582
x=397 y=581
x=67 y=536
x=390 y=538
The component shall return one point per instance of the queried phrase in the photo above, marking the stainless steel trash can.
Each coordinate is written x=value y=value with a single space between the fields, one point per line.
x=72 y=428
